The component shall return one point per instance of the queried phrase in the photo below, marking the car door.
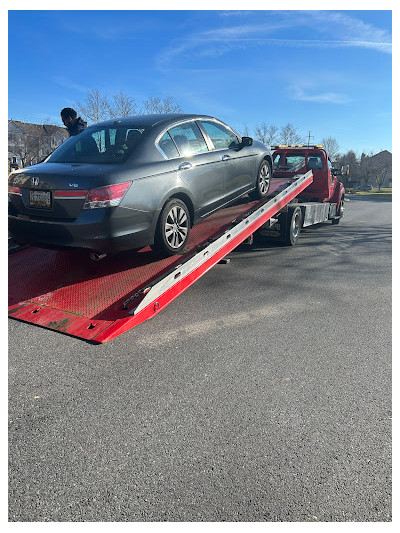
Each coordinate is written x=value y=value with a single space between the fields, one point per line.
x=240 y=160
x=202 y=170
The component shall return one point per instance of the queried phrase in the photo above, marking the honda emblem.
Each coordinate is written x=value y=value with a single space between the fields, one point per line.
x=35 y=181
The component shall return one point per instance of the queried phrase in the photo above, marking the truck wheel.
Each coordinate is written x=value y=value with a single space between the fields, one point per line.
x=292 y=226
x=263 y=181
x=172 y=232
x=339 y=213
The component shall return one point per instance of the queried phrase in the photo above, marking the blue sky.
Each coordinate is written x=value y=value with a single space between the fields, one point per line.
x=325 y=71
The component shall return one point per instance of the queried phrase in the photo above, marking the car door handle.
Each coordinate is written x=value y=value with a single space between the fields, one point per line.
x=185 y=166
x=226 y=157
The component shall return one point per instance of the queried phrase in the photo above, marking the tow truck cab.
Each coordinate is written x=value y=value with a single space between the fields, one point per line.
x=298 y=159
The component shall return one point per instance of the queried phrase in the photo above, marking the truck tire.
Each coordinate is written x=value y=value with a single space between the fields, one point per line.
x=292 y=226
x=339 y=213
x=173 y=227
x=263 y=181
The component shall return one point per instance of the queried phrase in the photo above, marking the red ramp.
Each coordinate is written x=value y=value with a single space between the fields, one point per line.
x=67 y=292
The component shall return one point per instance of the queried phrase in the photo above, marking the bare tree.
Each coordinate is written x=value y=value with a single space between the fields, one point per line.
x=26 y=148
x=332 y=147
x=350 y=161
x=288 y=135
x=382 y=172
x=367 y=168
x=95 y=108
x=98 y=107
x=155 y=104
x=266 y=133
x=245 y=131
x=122 y=106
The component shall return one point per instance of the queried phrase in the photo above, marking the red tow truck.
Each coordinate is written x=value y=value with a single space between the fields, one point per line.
x=321 y=201
x=67 y=292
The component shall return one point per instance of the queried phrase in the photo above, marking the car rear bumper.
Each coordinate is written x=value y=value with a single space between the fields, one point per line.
x=106 y=230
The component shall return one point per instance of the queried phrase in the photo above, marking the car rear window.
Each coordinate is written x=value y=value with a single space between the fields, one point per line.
x=112 y=144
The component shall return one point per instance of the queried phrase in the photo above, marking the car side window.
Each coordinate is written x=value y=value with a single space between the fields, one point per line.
x=167 y=146
x=188 y=138
x=220 y=136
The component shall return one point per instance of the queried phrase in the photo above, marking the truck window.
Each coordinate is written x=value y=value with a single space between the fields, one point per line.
x=278 y=161
x=314 y=162
x=295 y=161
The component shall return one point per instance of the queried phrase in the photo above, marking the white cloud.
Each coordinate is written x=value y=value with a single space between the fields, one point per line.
x=349 y=32
x=330 y=97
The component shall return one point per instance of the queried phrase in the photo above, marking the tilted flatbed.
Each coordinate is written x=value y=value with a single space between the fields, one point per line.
x=67 y=292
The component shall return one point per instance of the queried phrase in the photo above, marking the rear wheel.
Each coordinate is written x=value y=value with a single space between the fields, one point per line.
x=292 y=226
x=263 y=181
x=172 y=232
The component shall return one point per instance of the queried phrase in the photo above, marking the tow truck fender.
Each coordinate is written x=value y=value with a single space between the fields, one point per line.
x=338 y=195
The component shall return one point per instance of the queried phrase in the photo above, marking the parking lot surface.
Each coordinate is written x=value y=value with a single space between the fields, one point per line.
x=263 y=393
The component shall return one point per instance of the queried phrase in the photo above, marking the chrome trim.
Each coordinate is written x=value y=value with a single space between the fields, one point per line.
x=70 y=197
x=185 y=166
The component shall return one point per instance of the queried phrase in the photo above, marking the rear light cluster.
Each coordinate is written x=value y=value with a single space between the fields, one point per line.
x=109 y=196
x=14 y=190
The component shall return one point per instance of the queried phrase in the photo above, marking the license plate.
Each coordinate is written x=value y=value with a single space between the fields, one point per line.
x=40 y=199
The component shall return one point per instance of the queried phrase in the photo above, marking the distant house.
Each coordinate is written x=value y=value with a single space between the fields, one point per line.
x=28 y=144
x=382 y=162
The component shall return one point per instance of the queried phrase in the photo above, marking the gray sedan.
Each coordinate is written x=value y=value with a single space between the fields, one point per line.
x=136 y=181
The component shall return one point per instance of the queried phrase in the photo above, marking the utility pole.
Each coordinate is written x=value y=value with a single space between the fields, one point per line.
x=309 y=138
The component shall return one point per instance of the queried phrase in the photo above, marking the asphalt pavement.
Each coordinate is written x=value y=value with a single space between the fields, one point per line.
x=262 y=393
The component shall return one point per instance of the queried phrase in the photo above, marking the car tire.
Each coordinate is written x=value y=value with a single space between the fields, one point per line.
x=263 y=181
x=173 y=227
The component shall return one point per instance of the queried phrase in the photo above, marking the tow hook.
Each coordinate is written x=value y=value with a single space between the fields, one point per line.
x=97 y=256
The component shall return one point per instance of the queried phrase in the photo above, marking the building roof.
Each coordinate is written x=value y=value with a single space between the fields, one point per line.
x=385 y=155
x=29 y=128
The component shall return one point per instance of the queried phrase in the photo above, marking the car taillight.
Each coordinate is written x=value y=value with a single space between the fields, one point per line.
x=109 y=196
x=14 y=190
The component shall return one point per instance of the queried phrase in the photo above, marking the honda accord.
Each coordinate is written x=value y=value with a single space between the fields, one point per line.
x=136 y=181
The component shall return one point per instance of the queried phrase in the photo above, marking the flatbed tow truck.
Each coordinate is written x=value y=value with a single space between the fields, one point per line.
x=97 y=301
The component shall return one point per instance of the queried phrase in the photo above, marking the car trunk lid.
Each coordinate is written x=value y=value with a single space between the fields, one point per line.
x=53 y=190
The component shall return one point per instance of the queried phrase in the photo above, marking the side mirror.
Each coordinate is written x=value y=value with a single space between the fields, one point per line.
x=247 y=141
x=335 y=172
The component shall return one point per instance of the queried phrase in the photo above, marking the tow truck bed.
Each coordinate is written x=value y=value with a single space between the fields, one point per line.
x=67 y=292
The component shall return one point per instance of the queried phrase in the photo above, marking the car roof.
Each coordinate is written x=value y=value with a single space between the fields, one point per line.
x=150 y=120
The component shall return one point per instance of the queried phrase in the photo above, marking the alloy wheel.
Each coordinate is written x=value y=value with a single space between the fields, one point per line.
x=264 y=179
x=176 y=227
